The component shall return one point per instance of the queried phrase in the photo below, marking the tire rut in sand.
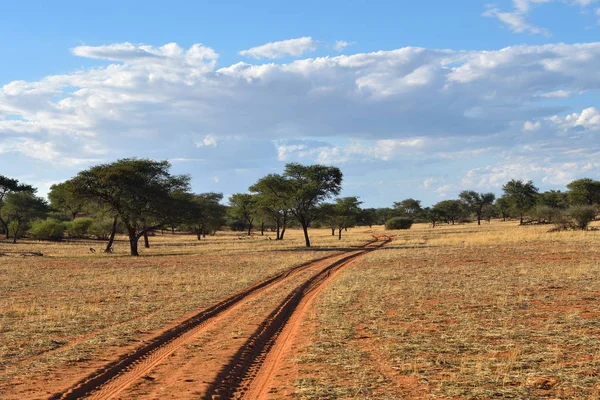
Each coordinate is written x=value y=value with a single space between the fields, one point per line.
x=118 y=375
x=250 y=370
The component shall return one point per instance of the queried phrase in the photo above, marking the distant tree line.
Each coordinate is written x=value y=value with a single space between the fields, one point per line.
x=138 y=197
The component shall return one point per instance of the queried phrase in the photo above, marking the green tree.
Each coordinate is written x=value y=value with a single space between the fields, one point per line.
x=62 y=197
x=138 y=191
x=346 y=211
x=409 y=208
x=309 y=187
x=584 y=191
x=521 y=196
x=204 y=212
x=475 y=202
x=244 y=207
x=20 y=208
x=10 y=185
x=450 y=210
x=503 y=207
x=554 y=199
x=273 y=198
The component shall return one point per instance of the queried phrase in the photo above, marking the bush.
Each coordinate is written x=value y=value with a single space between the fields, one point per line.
x=576 y=217
x=545 y=214
x=398 y=223
x=79 y=227
x=49 y=229
x=581 y=216
x=100 y=228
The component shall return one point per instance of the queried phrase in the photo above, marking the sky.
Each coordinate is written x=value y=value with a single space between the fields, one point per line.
x=409 y=99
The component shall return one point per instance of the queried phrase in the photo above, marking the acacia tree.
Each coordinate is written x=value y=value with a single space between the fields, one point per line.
x=520 y=195
x=272 y=194
x=409 y=208
x=244 y=207
x=10 y=185
x=584 y=191
x=476 y=202
x=346 y=211
x=21 y=208
x=503 y=207
x=62 y=197
x=309 y=186
x=204 y=212
x=138 y=191
x=450 y=210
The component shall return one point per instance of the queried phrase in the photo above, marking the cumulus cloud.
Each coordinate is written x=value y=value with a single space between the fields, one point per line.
x=283 y=48
x=424 y=108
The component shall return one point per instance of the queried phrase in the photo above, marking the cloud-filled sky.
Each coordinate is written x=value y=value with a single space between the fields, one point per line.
x=408 y=100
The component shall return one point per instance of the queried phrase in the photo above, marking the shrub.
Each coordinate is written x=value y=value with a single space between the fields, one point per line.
x=545 y=214
x=398 y=223
x=575 y=217
x=100 y=228
x=581 y=216
x=79 y=227
x=48 y=229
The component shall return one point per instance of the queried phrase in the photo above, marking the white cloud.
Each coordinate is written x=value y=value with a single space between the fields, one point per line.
x=208 y=141
x=588 y=119
x=516 y=20
x=530 y=126
x=341 y=45
x=421 y=110
x=291 y=47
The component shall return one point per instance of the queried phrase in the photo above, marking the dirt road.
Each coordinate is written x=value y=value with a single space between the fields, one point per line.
x=232 y=349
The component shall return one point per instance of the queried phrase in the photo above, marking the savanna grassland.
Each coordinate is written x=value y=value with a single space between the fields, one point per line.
x=71 y=311
x=460 y=312
x=456 y=312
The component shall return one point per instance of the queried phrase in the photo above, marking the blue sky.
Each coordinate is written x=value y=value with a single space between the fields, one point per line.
x=410 y=99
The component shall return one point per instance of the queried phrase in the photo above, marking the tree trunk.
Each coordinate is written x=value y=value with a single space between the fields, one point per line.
x=332 y=231
x=111 y=239
x=5 y=227
x=133 y=241
x=340 y=234
x=306 y=238
x=146 y=241
x=278 y=224
x=15 y=234
x=283 y=228
x=262 y=229
x=478 y=219
x=172 y=229
x=198 y=233
x=521 y=220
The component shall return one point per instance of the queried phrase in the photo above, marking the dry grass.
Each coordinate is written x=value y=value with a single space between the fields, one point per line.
x=69 y=306
x=465 y=312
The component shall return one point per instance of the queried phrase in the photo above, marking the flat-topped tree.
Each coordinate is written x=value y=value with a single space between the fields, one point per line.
x=272 y=193
x=520 y=195
x=10 y=185
x=476 y=202
x=244 y=207
x=309 y=186
x=62 y=197
x=139 y=191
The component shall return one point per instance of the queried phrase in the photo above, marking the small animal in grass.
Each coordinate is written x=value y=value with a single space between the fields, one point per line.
x=92 y=250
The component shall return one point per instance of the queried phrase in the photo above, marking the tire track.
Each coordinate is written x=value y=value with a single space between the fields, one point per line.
x=116 y=376
x=251 y=369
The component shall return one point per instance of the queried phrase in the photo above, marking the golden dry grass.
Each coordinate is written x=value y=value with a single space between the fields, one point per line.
x=461 y=312
x=69 y=306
